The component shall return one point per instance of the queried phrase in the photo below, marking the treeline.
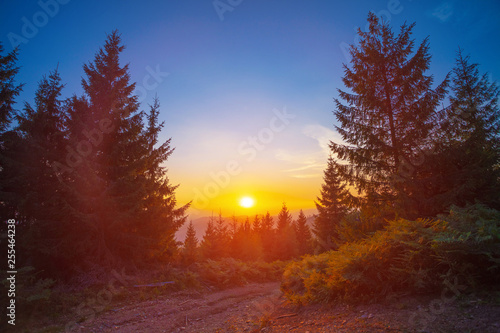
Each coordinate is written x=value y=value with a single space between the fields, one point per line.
x=411 y=196
x=260 y=238
x=84 y=177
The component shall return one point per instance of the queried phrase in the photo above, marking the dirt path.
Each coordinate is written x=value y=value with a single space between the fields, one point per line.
x=232 y=310
x=261 y=308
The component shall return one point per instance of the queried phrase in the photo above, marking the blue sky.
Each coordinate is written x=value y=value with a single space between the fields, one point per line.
x=230 y=73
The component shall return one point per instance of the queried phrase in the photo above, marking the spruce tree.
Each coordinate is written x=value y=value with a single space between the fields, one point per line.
x=257 y=226
x=159 y=201
x=190 y=248
x=233 y=225
x=332 y=206
x=388 y=117
x=223 y=238
x=9 y=143
x=245 y=243
x=123 y=196
x=303 y=233
x=9 y=90
x=216 y=242
x=469 y=152
x=239 y=243
x=256 y=237
x=284 y=219
x=247 y=227
x=285 y=235
x=208 y=246
x=268 y=237
x=105 y=163
x=474 y=108
x=267 y=224
x=41 y=200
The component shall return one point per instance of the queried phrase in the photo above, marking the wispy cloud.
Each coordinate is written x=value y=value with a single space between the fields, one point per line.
x=310 y=163
x=305 y=176
x=294 y=157
x=323 y=136
x=443 y=12
x=307 y=167
x=302 y=164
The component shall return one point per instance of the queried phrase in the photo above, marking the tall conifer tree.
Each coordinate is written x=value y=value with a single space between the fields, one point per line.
x=223 y=239
x=303 y=234
x=190 y=250
x=9 y=90
x=208 y=246
x=123 y=195
x=42 y=201
x=332 y=205
x=268 y=237
x=285 y=235
x=468 y=156
x=388 y=116
x=159 y=201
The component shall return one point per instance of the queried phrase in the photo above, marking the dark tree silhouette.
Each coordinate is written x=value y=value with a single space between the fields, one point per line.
x=332 y=206
x=208 y=246
x=285 y=235
x=190 y=250
x=9 y=90
x=257 y=225
x=466 y=165
x=223 y=237
x=40 y=199
x=303 y=232
x=388 y=117
x=268 y=237
x=159 y=200
x=122 y=194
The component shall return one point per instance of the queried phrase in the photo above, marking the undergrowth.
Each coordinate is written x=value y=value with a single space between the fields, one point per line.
x=406 y=257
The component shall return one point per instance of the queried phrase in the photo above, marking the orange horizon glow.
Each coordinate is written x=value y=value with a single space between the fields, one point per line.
x=228 y=201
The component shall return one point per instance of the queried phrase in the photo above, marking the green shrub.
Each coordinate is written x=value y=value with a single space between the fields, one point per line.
x=229 y=272
x=34 y=298
x=31 y=290
x=361 y=224
x=405 y=257
x=471 y=245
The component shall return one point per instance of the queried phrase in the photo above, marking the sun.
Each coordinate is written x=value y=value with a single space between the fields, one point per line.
x=247 y=202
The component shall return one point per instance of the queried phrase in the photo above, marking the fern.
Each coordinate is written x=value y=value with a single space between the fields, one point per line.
x=405 y=257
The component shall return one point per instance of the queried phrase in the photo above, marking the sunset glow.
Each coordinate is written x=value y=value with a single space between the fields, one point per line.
x=254 y=128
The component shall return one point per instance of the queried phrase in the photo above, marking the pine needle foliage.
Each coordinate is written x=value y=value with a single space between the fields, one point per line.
x=332 y=205
x=468 y=154
x=387 y=117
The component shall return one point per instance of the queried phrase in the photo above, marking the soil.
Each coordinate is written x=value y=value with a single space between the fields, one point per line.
x=262 y=308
